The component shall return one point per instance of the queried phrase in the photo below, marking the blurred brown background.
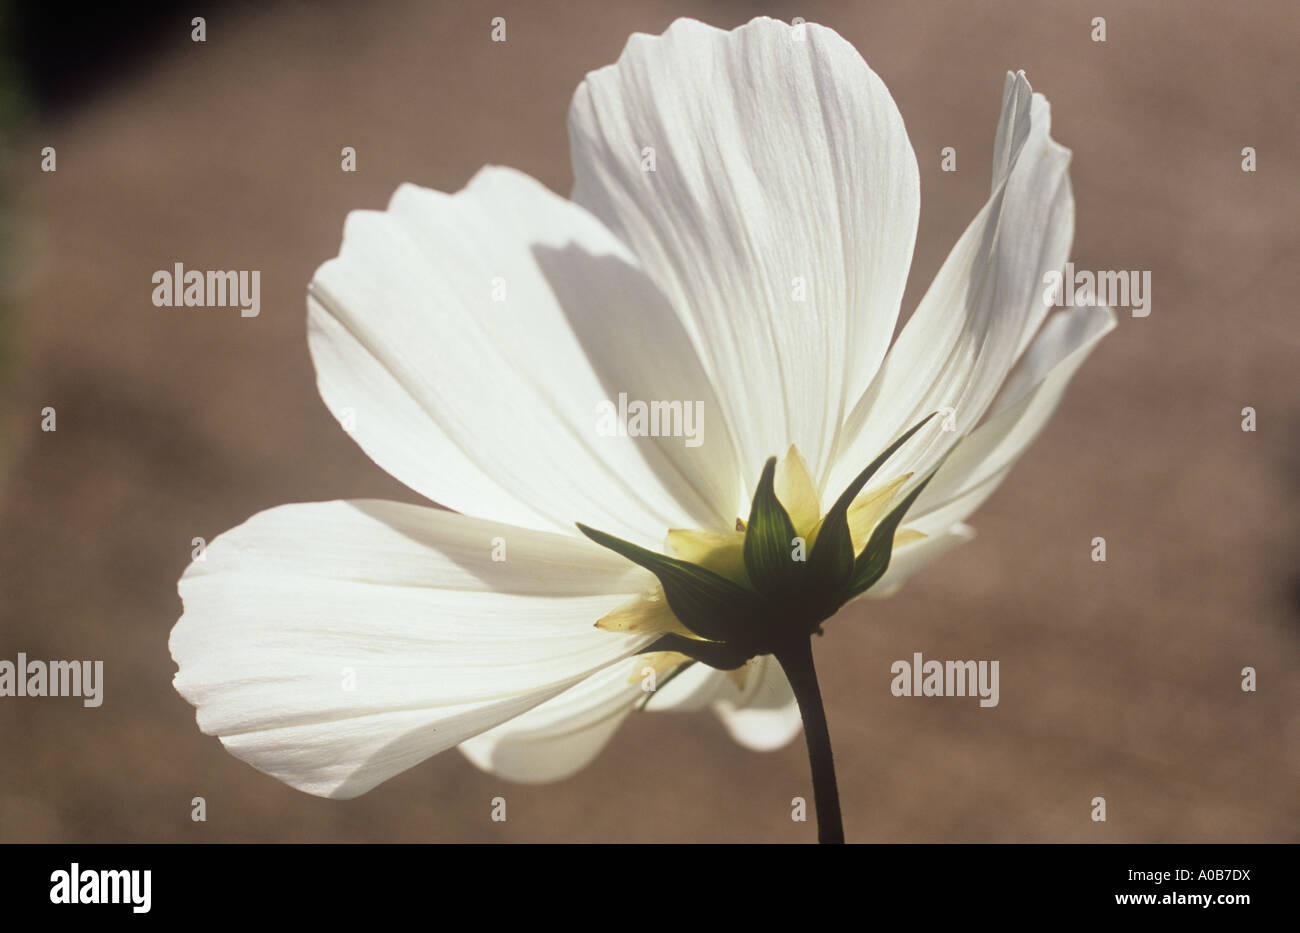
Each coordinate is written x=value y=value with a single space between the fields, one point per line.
x=1119 y=679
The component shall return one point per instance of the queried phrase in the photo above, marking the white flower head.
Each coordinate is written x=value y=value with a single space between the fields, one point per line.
x=749 y=268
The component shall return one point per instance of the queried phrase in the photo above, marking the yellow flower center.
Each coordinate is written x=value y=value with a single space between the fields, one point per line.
x=723 y=552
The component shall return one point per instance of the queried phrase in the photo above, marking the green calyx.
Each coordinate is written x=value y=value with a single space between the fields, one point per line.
x=790 y=591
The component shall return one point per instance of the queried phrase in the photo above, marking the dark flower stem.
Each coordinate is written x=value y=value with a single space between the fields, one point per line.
x=796 y=660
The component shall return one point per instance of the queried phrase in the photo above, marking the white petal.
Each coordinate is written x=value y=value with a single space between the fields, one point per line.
x=490 y=406
x=1013 y=125
x=563 y=735
x=983 y=307
x=766 y=716
x=981 y=461
x=779 y=156
x=912 y=557
x=763 y=717
x=692 y=690
x=440 y=641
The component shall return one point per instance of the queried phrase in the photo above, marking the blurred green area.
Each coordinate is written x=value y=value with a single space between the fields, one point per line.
x=12 y=112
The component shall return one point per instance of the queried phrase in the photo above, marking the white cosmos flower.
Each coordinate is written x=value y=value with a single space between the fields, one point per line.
x=335 y=644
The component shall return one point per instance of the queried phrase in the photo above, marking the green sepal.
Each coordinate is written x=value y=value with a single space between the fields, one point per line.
x=769 y=538
x=710 y=605
x=831 y=565
x=716 y=654
x=651 y=694
x=874 y=559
